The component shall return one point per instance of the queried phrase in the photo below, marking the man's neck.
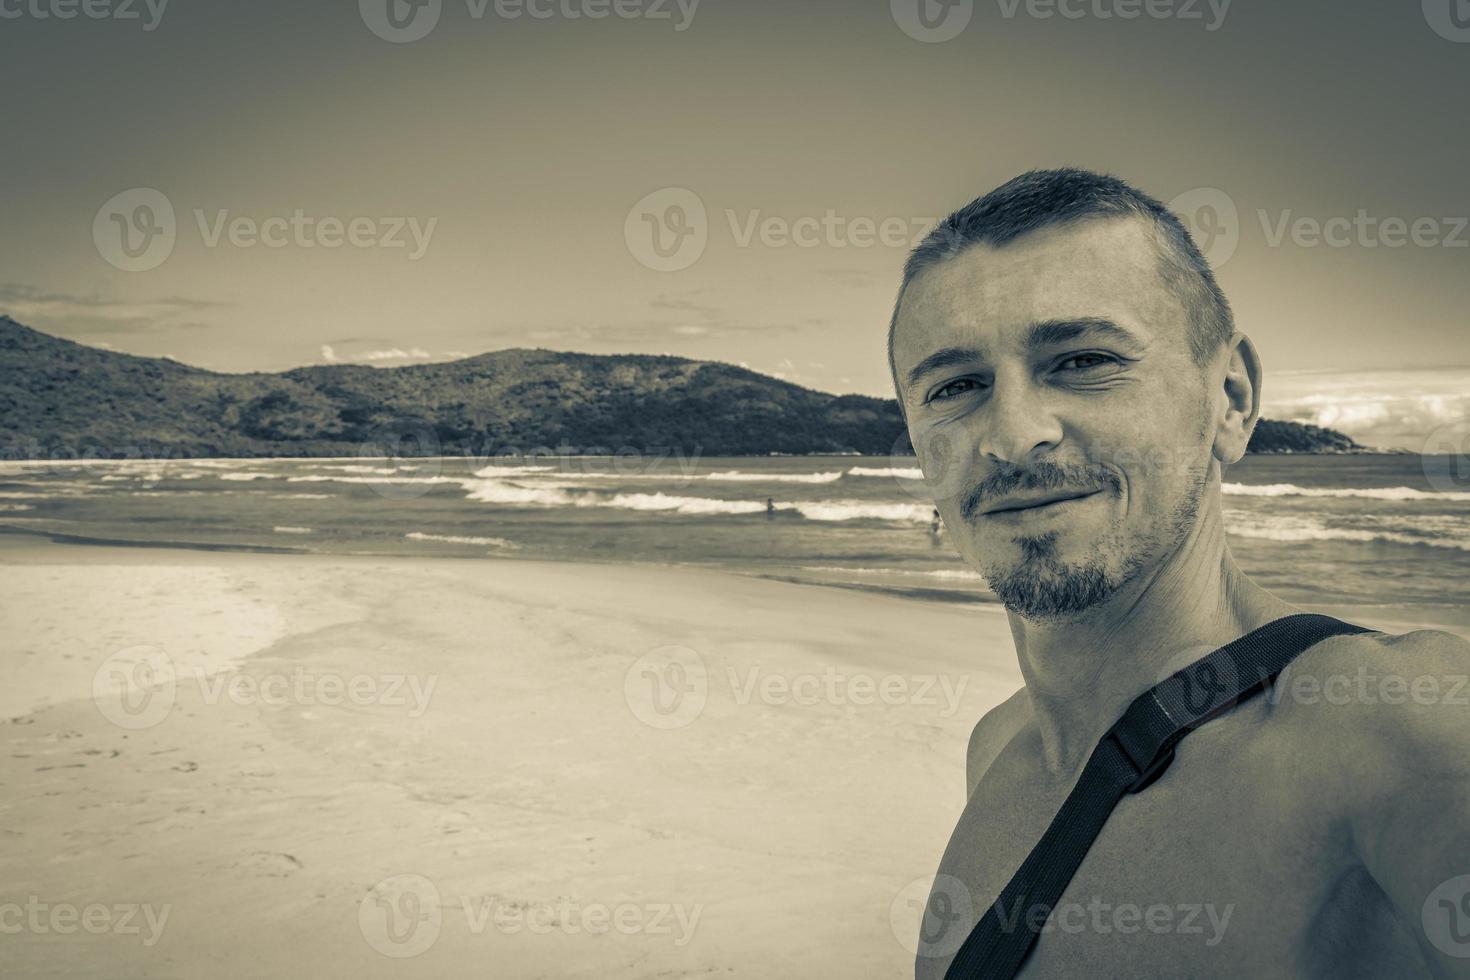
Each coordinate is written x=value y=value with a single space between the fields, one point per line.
x=1082 y=674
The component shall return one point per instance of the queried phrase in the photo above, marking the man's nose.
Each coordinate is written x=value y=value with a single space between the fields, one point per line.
x=1016 y=426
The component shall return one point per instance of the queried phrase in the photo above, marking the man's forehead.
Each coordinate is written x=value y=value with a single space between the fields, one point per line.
x=988 y=296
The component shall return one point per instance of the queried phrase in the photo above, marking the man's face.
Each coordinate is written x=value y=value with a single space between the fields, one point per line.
x=1056 y=410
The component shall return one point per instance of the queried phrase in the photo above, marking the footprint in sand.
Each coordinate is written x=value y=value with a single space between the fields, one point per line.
x=269 y=864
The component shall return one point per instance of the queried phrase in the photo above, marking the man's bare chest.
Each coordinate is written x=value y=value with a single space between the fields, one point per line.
x=1222 y=868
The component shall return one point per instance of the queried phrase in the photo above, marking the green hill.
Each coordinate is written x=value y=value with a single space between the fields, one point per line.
x=59 y=397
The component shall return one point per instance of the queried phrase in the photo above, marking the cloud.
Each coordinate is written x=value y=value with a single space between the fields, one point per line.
x=331 y=355
x=663 y=302
x=1390 y=408
x=393 y=354
x=70 y=314
x=645 y=333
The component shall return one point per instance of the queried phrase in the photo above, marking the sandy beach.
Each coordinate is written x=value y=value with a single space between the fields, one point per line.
x=245 y=765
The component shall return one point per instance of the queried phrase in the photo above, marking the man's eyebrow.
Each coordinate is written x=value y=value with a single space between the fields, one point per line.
x=942 y=358
x=1044 y=333
x=1051 y=333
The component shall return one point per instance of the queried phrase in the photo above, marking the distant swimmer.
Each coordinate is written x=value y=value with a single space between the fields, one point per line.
x=771 y=507
x=934 y=525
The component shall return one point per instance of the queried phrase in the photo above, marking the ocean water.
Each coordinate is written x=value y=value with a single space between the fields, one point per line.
x=1382 y=530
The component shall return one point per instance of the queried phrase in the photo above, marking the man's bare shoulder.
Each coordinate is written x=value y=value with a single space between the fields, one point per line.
x=1374 y=712
x=993 y=732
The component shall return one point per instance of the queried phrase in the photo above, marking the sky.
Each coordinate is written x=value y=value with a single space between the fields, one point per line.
x=263 y=185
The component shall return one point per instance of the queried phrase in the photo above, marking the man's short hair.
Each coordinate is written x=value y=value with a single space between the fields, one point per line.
x=1039 y=198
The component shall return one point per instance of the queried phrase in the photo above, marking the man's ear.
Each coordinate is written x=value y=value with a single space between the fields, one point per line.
x=1240 y=389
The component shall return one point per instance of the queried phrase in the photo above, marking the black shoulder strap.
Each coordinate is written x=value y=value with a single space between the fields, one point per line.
x=1134 y=753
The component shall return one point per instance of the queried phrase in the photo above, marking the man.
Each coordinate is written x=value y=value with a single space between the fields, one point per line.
x=1073 y=384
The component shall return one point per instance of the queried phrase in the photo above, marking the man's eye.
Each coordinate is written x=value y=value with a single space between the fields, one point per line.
x=1082 y=362
x=952 y=389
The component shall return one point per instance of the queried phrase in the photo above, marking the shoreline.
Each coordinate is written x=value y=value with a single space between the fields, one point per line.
x=26 y=461
x=1394 y=618
x=918 y=593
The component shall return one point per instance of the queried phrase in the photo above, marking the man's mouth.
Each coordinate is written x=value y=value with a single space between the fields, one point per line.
x=1021 y=503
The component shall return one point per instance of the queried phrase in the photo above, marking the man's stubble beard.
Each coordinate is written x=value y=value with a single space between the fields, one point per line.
x=1042 y=588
